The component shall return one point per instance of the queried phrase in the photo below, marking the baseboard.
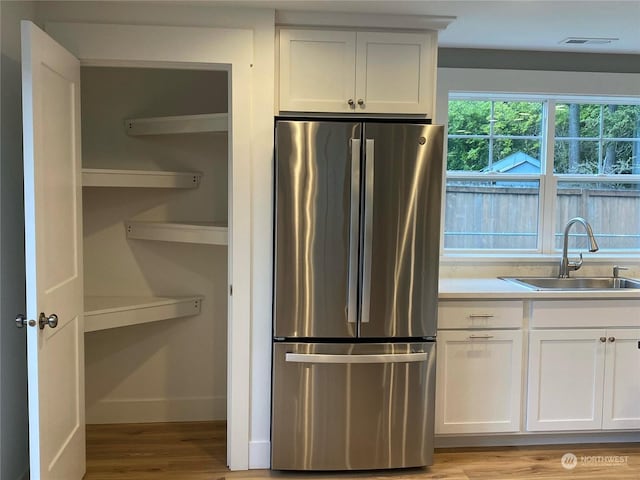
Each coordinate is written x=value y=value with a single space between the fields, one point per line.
x=188 y=409
x=259 y=455
x=523 y=439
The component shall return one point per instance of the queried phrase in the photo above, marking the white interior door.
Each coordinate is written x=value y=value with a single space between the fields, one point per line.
x=53 y=229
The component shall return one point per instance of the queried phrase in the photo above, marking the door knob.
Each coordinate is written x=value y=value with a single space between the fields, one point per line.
x=612 y=339
x=351 y=102
x=361 y=102
x=21 y=321
x=51 y=320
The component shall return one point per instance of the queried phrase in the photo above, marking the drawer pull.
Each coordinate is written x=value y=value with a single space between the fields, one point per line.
x=480 y=337
x=481 y=315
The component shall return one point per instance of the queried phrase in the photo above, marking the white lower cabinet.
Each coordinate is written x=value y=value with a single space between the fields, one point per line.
x=621 y=404
x=583 y=379
x=478 y=380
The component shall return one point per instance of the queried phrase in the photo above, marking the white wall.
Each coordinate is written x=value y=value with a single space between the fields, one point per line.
x=262 y=24
x=13 y=376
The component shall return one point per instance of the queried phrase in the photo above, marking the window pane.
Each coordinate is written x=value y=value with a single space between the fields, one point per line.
x=620 y=157
x=517 y=118
x=612 y=210
x=469 y=117
x=467 y=154
x=597 y=139
x=491 y=215
x=621 y=121
x=577 y=120
x=575 y=156
x=516 y=156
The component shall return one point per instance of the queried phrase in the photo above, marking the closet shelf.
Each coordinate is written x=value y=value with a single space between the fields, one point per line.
x=209 y=122
x=204 y=233
x=102 y=177
x=102 y=313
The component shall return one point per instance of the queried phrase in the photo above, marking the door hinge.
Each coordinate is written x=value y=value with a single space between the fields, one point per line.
x=230 y=290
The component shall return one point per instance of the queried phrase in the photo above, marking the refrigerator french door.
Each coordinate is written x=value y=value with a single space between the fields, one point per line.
x=357 y=228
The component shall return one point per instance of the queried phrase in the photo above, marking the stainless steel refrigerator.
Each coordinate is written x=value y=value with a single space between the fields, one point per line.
x=357 y=230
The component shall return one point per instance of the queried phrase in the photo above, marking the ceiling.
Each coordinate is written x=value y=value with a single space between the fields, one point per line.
x=510 y=25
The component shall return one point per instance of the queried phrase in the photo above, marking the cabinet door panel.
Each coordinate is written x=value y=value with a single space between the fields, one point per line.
x=478 y=381
x=317 y=70
x=394 y=72
x=566 y=377
x=622 y=380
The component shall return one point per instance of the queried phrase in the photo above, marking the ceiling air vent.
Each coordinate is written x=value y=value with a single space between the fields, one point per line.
x=586 y=41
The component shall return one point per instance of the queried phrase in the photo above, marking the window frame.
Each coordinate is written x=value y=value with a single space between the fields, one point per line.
x=548 y=180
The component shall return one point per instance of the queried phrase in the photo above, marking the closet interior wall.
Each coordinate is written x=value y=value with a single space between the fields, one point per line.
x=169 y=370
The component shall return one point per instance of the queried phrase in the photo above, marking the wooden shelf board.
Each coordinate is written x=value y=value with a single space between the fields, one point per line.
x=102 y=313
x=192 y=232
x=209 y=122
x=102 y=177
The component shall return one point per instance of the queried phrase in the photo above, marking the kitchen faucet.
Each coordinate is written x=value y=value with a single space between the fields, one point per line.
x=567 y=266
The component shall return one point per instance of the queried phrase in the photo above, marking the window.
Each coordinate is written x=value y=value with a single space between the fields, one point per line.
x=519 y=168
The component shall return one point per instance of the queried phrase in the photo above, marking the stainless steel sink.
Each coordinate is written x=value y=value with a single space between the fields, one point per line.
x=577 y=283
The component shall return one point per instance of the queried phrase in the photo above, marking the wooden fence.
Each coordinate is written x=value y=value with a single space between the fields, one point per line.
x=506 y=217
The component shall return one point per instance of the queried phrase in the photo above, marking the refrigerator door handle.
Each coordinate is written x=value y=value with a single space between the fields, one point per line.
x=354 y=232
x=368 y=229
x=346 y=359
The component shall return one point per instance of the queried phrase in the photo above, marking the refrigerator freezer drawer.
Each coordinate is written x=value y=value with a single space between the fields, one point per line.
x=352 y=406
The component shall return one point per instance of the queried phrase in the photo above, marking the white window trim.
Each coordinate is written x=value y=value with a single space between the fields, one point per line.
x=585 y=87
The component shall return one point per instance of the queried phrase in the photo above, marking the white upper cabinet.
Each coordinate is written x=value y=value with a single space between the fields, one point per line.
x=357 y=72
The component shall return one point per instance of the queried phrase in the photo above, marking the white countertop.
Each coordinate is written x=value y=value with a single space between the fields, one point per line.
x=485 y=288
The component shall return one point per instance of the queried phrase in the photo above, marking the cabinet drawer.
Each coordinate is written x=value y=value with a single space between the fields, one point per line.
x=585 y=313
x=480 y=314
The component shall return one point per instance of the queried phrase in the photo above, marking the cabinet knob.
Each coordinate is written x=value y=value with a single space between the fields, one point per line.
x=351 y=102
x=603 y=339
x=361 y=102
x=612 y=339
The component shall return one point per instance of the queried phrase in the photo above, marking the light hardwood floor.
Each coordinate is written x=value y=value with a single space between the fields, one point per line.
x=197 y=451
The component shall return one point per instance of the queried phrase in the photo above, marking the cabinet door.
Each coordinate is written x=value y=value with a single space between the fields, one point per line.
x=395 y=72
x=566 y=377
x=478 y=381
x=622 y=380
x=317 y=70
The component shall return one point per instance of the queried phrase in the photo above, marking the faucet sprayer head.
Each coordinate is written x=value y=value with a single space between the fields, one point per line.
x=593 y=245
